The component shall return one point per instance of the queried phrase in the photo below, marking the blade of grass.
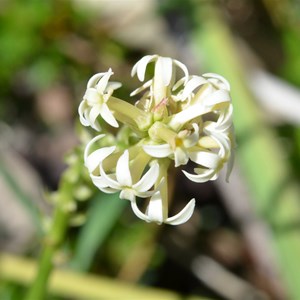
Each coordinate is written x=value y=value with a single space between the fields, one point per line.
x=104 y=212
x=259 y=152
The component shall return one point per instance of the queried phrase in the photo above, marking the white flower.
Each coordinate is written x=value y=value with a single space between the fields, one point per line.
x=122 y=180
x=180 y=121
x=157 y=211
x=95 y=99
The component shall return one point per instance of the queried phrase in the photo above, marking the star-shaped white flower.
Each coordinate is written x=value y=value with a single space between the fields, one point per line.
x=122 y=180
x=95 y=99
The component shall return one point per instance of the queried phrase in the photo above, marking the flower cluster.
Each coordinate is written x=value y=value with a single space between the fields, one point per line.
x=173 y=122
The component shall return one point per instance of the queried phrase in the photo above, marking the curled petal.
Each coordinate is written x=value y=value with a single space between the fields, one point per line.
x=217 y=97
x=224 y=83
x=204 y=175
x=122 y=170
x=148 y=180
x=163 y=150
x=82 y=109
x=108 y=190
x=183 y=68
x=178 y=84
x=192 y=84
x=141 y=88
x=182 y=216
x=102 y=84
x=206 y=159
x=98 y=181
x=141 y=65
x=93 y=160
x=138 y=212
x=94 y=79
x=109 y=181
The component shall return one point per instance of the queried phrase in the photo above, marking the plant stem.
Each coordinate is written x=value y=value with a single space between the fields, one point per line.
x=53 y=240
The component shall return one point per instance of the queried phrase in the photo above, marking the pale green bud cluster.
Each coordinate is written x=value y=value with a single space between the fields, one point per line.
x=174 y=121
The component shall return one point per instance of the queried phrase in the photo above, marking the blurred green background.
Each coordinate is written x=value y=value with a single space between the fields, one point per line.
x=243 y=241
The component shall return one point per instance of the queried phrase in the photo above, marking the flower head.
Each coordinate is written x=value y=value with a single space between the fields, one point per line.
x=175 y=121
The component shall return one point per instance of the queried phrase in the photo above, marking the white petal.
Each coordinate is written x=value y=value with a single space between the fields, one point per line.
x=148 y=180
x=219 y=77
x=94 y=113
x=108 y=190
x=191 y=112
x=180 y=157
x=107 y=115
x=102 y=84
x=82 y=111
x=95 y=158
x=109 y=181
x=123 y=171
x=192 y=84
x=217 y=97
x=138 y=212
x=182 y=216
x=94 y=79
x=141 y=88
x=90 y=143
x=178 y=84
x=206 y=159
x=113 y=85
x=92 y=96
x=98 y=181
x=163 y=150
x=155 y=208
x=146 y=194
x=206 y=175
x=166 y=65
x=183 y=68
x=127 y=194
x=141 y=65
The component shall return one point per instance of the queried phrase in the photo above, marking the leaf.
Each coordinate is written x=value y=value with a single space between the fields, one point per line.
x=103 y=213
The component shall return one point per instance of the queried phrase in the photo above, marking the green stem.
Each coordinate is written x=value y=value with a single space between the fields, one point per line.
x=52 y=241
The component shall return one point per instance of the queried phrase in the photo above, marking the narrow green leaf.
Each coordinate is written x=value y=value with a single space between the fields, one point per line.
x=104 y=211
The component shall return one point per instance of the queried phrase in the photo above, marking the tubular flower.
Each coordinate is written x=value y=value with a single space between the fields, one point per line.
x=174 y=121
